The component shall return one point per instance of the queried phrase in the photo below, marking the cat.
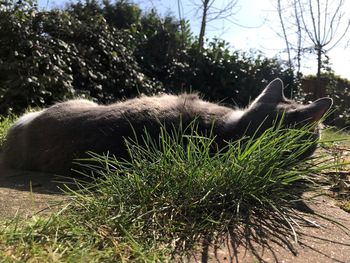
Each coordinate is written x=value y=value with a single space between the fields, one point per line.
x=49 y=140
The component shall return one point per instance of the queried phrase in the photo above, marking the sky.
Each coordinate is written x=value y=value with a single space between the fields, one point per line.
x=254 y=25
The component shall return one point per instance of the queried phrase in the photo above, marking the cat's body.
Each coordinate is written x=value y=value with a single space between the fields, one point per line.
x=51 y=139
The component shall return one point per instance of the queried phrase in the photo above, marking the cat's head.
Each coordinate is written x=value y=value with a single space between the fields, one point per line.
x=271 y=106
x=272 y=103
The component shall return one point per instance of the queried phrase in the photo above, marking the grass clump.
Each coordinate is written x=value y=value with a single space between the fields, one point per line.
x=177 y=190
x=336 y=136
x=5 y=124
x=62 y=239
x=346 y=206
x=170 y=194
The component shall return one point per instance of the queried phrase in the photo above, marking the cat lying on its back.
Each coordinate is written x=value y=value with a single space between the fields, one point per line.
x=49 y=140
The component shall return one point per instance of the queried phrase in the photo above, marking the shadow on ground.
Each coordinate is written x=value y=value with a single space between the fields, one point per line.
x=27 y=193
x=320 y=239
x=36 y=182
x=30 y=181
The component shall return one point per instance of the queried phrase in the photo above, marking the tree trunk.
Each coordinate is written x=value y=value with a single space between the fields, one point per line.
x=319 y=65
x=203 y=25
x=319 y=62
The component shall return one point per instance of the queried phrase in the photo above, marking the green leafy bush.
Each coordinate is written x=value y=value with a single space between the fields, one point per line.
x=335 y=87
x=32 y=69
x=230 y=77
x=51 y=56
x=112 y=51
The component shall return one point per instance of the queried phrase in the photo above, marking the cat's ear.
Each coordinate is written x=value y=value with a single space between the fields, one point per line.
x=273 y=93
x=317 y=109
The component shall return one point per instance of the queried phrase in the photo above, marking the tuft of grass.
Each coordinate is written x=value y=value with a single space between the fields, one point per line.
x=336 y=136
x=178 y=190
x=337 y=146
x=346 y=206
x=61 y=239
x=170 y=194
x=5 y=124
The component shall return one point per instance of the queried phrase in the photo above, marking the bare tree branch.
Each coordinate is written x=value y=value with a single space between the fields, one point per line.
x=279 y=10
x=210 y=11
x=319 y=22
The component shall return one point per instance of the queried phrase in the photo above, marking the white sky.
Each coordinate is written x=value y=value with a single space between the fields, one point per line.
x=260 y=21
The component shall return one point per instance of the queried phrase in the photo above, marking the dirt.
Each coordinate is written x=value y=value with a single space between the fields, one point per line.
x=319 y=240
x=27 y=194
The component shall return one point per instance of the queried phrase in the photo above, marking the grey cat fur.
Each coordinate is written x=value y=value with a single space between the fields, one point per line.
x=49 y=140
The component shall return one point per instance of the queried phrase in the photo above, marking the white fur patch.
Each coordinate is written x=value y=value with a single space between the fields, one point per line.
x=27 y=118
x=80 y=103
x=235 y=116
